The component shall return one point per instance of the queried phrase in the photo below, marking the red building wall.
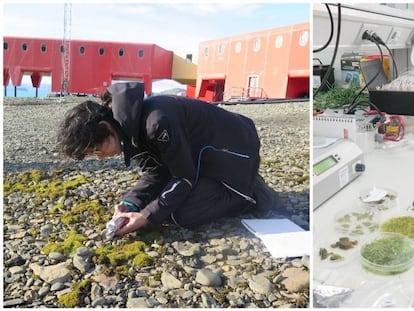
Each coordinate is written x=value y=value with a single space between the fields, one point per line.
x=93 y=65
x=272 y=63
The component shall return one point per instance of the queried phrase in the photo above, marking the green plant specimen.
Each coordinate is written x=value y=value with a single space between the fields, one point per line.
x=403 y=225
x=337 y=97
x=388 y=254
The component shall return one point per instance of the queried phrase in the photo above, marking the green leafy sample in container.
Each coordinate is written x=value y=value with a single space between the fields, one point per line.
x=388 y=253
x=356 y=222
x=403 y=225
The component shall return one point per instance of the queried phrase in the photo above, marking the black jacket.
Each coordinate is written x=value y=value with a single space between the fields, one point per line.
x=175 y=140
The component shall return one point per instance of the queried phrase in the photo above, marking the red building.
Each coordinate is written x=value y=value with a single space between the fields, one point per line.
x=92 y=65
x=272 y=63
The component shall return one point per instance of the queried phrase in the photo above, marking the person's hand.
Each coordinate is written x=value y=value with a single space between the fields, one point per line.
x=120 y=208
x=133 y=222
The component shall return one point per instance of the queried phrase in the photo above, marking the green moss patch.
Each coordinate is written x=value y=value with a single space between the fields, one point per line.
x=118 y=259
x=68 y=246
x=90 y=211
x=74 y=298
x=36 y=181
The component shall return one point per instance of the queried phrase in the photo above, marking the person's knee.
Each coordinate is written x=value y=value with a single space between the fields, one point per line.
x=182 y=220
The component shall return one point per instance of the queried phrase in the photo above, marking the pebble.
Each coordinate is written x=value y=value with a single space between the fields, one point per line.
x=169 y=281
x=219 y=265
x=208 y=278
x=260 y=284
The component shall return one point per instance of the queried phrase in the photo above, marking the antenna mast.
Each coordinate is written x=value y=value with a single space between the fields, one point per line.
x=66 y=47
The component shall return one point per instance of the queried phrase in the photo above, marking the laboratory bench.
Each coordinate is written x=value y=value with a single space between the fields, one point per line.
x=389 y=165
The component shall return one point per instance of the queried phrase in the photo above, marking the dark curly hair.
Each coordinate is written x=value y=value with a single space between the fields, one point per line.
x=81 y=130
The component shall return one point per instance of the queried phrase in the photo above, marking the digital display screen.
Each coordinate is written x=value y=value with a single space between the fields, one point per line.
x=324 y=165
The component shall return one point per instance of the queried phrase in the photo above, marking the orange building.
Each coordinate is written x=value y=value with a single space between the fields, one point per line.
x=271 y=63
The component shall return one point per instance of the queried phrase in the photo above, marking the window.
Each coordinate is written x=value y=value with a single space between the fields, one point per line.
x=303 y=38
x=5 y=45
x=140 y=53
x=256 y=46
x=82 y=50
x=121 y=52
x=221 y=49
x=101 y=51
x=24 y=47
x=188 y=58
x=279 y=41
x=206 y=52
x=43 y=47
x=62 y=49
x=238 y=47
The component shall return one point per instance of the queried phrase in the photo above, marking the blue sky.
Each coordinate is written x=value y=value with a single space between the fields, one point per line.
x=175 y=26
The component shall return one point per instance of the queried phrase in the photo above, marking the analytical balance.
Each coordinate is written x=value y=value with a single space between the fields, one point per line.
x=336 y=162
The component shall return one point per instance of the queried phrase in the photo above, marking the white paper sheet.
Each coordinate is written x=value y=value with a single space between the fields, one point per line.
x=282 y=237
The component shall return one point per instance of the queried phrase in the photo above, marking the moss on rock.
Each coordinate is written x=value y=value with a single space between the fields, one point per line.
x=74 y=298
x=68 y=246
x=116 y=259
x=35 y=181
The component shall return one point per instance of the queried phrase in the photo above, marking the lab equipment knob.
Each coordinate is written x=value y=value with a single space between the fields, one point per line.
x=359 y=167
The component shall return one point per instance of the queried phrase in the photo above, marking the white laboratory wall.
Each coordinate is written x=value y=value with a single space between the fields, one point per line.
x=395 y=25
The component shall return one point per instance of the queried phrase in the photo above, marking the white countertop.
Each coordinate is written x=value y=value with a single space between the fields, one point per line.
x=389 y=168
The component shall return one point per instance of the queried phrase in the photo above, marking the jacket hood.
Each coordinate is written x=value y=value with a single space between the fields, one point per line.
x=127 y=101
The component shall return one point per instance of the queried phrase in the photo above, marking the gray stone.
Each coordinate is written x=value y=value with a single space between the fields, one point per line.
x=137 y=303
x=57 y=286
x=57 y=256
x=44 y=291
x=52 y=274
x=13 y=302
x=208 y=277
x=187 y=249
x=46 y=230
x=260 y=284
x=169 y=281
x=17 y=270
x=296 y=279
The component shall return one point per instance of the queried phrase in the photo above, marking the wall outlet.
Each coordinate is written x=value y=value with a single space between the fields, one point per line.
x=364 y=27
x=395 y=35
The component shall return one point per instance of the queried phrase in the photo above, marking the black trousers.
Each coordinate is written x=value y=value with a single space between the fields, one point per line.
x=208 y=201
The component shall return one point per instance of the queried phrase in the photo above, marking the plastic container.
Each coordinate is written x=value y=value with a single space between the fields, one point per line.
x=378 y=198
x=387 y=253
x=356 y=221
x=113 y=225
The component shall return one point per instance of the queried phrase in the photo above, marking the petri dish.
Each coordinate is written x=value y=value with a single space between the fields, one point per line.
x=387 y=253
x=356 y=221
x=335 y=252
x=378 y=198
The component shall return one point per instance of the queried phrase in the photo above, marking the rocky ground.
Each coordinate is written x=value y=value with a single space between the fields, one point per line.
x=55 y=213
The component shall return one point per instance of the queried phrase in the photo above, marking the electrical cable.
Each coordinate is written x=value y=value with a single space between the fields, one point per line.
x=330 y=35
x=330 y=68
x=373 y=37
x=393 y=61
x=354 y=103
